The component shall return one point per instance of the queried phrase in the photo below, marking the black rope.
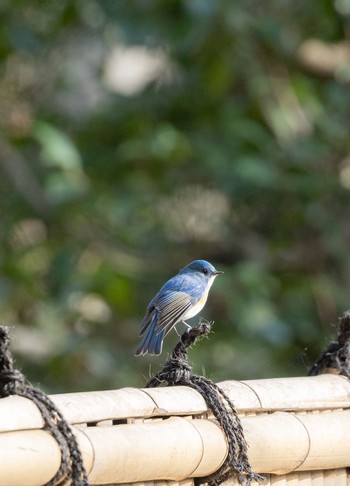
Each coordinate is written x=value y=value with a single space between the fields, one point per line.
x=178 y=371
x=336 y=358
x=13 y=382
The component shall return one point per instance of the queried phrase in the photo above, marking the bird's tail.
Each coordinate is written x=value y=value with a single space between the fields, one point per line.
x=152 y=342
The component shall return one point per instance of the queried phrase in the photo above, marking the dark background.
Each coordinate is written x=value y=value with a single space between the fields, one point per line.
x=136 y=136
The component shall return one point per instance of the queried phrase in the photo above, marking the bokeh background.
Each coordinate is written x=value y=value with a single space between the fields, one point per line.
x=136 y=136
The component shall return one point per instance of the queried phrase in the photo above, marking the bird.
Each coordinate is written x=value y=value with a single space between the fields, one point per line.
x=181 y=298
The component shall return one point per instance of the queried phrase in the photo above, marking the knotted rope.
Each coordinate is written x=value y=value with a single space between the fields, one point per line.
x=178 y=371
x=13 y=382
x=336 y=358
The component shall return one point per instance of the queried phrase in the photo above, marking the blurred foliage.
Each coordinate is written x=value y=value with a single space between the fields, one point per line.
x=138 y=136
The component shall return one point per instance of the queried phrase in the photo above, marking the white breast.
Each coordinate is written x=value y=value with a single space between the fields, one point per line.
x=193 y=311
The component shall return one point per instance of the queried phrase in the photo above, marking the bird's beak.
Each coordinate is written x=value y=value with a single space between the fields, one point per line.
x=217 y=272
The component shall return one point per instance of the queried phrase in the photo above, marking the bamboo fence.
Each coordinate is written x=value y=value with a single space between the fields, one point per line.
x=297 y=430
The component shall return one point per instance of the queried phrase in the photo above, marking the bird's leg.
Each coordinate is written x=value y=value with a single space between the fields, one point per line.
x=177 y=332
x=187 y=325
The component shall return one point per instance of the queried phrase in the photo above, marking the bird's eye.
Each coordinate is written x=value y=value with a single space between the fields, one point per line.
x=205 y=271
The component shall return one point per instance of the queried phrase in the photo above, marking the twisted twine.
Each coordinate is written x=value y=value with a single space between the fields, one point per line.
x=178 y=371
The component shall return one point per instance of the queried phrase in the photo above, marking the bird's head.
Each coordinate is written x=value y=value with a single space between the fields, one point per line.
x=201 y=267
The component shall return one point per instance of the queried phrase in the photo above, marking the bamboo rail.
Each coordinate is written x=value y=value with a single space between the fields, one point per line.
x=129 y=435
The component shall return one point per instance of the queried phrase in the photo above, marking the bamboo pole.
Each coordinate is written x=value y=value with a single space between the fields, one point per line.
x=295 y=394
x=305 y=393
x=172 y=449
x=28 y=458
x=302 y=393
x=179 y=447
x=279 y=442
x=167 y=449
x=283 y=442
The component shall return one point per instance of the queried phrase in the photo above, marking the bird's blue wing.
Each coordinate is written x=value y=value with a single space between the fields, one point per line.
x=171 y=307
x=163 y=312
x=171 y=303
x=150 y=315
x=151 y=342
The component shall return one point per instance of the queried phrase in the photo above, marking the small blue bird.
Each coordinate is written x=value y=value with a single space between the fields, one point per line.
x=181 y=298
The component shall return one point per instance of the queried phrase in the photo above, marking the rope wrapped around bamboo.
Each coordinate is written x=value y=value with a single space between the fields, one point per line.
x=132 y=435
